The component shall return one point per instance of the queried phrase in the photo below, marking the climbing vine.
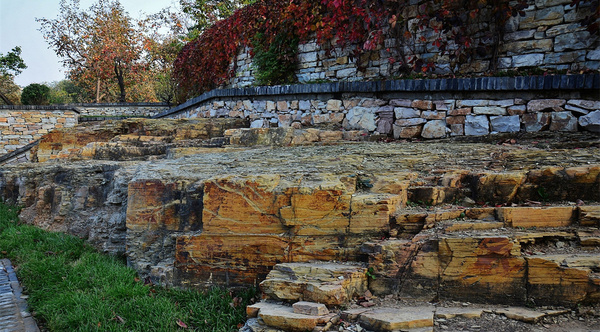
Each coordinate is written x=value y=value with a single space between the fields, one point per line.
x=417 y=36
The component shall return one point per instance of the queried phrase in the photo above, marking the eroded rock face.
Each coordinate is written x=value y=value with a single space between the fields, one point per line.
x=227 y=216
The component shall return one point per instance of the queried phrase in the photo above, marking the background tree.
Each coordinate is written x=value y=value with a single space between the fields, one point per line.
x=205 y=13
x=65 y=92
x=101 y=48
x=11 y=65
x=35 y=94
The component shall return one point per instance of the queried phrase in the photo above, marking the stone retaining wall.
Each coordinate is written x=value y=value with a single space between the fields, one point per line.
x=21 y=125
x=414 y=108
x=550 y=35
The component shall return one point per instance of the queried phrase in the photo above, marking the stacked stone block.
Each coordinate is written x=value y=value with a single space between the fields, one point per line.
x=411 y=118
x=550 y=35
x=20 y=127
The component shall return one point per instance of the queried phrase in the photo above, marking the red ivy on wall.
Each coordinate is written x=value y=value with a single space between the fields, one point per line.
x=461 y=29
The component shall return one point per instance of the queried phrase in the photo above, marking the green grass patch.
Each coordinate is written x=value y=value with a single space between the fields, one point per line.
x=72 y=287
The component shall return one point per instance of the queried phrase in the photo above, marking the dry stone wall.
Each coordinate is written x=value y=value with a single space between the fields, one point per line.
x=414 y=108
x=21 y=125
x=550 y=35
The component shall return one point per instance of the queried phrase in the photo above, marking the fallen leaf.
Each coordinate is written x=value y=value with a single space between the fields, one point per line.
x=181 y=324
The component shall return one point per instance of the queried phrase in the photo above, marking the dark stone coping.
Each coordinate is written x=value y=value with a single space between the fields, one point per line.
x=90 y=118
x=11 y=155
x=75 y=107
x=478 y=84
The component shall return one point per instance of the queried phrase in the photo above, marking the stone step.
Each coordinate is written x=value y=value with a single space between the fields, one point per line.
x=332 y=284
x=289 y=318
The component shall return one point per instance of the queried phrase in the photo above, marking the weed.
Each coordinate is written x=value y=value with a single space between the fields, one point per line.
x=371 y=273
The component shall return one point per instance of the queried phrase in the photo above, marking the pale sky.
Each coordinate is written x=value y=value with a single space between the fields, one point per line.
x=19 y=28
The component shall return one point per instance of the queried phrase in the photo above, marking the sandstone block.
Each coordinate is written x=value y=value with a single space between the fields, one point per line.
x=457 y=129
x=589 y=215
x=433 y=115
x=517 y=110
x=591 y=105
x=477 y=125
x=537 y=217
x=422 y=104
x=327 y=283
x=310 y=308
x=527 y=315
x=284 y=317
x=526 y=46
x=456 y=120
x=407 y=132
x=434 y=129
x=460 y=111
x=449 y=313
x=499 y=188
x=393 y=319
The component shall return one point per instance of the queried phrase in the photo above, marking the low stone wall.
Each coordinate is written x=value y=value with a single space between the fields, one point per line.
x=21 y=125
x=550 y=35
x=414 y=108
x=121 y=109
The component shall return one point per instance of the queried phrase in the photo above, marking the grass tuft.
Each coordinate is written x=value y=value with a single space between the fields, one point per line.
x=72 y=287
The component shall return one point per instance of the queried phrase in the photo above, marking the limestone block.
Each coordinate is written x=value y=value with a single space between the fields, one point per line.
x=534 y=122
x=539 y=105
x=334 y=105
x=477 y=125
x=361 y=118
x=564 y=57
x=384 y=126
x=505 y=124
x=410 y=122
x=528 y=60
x=573 y=41
x=548 y=3
x=394 y=319
x=471 y=103
x=516 y=110
x=489 y=110
x=406 y=113
x=519 y=35
x=310 y=308
x=563 y=121
x=537 y=217
x=593 y=55
x=457 y=129
x=401 y=103
x=304 y=105
x=591 y=105
x=434 y=129
x=591 y=121
x=527 y=46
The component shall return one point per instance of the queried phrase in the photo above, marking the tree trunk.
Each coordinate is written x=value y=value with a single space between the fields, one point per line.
x=5 y=99
x=98 y=91
x=119 y=74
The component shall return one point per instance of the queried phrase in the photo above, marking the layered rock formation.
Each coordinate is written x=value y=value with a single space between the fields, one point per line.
x=452 y=220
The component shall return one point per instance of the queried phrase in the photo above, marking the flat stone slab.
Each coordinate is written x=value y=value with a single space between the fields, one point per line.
x=528 y=315
x=284 y=317
x=448 y=313
x=390 y=319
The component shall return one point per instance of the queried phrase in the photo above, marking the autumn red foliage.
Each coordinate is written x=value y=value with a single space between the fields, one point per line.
x=459 y=29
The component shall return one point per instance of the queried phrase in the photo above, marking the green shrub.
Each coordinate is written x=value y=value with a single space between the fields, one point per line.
x=276 y=62
x=35 y=94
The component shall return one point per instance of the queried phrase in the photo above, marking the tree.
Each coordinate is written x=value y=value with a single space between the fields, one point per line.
x=205 y=13
x=101 y=47
x=35 y=94
x=65 y=92
x=11 y=65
